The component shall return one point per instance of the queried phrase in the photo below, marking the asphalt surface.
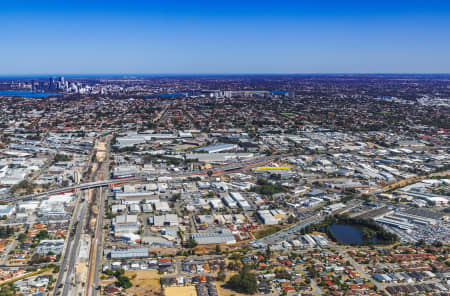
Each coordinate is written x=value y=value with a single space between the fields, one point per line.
x=99 y=239
x=105 y=183
x=71 y=253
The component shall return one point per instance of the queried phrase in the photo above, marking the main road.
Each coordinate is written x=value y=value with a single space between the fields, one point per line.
x=106 y=183
x=70 y=252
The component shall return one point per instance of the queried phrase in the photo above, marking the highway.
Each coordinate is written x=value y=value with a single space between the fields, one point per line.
x=106 y=183
x=74 y=188
x=96 y=251
x=66 y=276
x=71 y=253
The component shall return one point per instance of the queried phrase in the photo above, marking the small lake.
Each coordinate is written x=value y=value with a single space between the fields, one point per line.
x=27 y=94
x=349 y=234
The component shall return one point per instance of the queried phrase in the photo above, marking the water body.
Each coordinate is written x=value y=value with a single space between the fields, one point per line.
x=188 y=93
x=349 y=234
x=27 y=94
x=278 y=92
x=171 y=95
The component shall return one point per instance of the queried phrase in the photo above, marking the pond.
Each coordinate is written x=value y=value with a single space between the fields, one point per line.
x=349 y=234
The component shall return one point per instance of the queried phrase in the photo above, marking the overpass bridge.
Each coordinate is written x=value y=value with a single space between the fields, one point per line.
x=70 y=189
x=143 y=177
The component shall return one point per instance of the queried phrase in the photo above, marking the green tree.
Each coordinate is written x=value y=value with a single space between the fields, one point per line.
x=244 y=282
x=124 y=282
x=191 y=243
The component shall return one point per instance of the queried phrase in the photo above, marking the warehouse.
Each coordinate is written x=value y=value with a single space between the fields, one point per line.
x=225 y=236
x=216 y=203
x=267 y=217
x=6 y=210
x=129 y=253
x=125 y=219
x=240 y=200
x=164 y=220
x=124 y=172
x=217 y=148
x=125 y=228
x=228 y=201
x=131 y=197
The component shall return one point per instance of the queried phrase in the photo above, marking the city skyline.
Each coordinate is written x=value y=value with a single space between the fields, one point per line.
x=93 y=38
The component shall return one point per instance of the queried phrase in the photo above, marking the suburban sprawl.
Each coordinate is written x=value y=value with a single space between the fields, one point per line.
x=225 y=185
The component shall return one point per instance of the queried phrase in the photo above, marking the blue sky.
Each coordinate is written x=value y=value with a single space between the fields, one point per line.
x=92 y=37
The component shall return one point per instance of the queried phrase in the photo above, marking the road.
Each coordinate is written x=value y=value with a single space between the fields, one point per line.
x=284 y=234
x=106 y=183
x=96 y=249
x=10 y=247
x=97 y=242
x=71 y=253
x=316 y=288
x=358 y=267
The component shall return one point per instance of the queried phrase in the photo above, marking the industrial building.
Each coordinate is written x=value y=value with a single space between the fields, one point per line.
x=129 y=253
x=217 y=148
x=164 y=220
x=225 y=236
x=53 y=246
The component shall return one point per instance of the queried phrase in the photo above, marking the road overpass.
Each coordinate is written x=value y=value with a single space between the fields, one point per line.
x=73 y=188
x=142 y=177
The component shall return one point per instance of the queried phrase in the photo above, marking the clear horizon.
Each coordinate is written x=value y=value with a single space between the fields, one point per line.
x=233 y=38
x=48 y=75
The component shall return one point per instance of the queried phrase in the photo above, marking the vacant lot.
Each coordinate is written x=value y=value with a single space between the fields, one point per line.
x=145 y=282
x=178 y=291
x=266 y=230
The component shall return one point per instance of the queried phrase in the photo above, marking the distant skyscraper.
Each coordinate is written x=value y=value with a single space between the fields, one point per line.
x=51 y=83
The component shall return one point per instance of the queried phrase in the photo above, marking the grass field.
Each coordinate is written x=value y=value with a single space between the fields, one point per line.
x=178 y=291
x=266 y=231
x=146 y=282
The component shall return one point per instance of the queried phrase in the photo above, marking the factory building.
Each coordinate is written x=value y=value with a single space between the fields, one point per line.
x=129 y=253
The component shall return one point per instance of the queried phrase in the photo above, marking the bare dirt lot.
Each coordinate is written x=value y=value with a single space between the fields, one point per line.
x=178 y=291
x=145 y=282
x=101 y=151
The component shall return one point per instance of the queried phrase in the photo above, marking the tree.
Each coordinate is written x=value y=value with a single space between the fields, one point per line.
x=244 y=282
x=268 y=252
x=437 y=244
x=22 y=237
x=124 y=282
x=43 y=234
x=221 y=276
x=191 y=243
x=37 y=259
x=61 y=157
